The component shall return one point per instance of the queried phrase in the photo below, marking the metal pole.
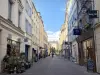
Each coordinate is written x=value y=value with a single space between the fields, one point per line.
x=94 y=39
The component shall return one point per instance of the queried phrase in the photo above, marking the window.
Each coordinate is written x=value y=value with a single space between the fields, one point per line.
x=28 y=28
x=30 y=12
x=19 y=18
x=28 y=9
x=9 y=9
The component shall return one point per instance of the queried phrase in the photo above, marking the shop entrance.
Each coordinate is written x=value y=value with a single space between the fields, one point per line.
x=89 y=54
x=27 y=51
x=86 y=45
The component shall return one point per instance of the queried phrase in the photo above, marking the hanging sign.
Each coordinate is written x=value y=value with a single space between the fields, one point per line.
x=76 y=31
x=93 y=14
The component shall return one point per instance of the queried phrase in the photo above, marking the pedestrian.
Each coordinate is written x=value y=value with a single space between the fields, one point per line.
x=52 y=54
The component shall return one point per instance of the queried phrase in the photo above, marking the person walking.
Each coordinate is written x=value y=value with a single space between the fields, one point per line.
x=53 y=51
x=52 y=54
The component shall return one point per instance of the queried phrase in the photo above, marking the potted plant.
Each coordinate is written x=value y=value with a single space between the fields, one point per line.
x=87 y=26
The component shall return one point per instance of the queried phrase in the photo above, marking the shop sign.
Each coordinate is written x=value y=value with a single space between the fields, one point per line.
x=76 y=31
x=93 y=14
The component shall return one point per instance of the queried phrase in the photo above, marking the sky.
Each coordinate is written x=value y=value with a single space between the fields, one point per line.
x=53 y=15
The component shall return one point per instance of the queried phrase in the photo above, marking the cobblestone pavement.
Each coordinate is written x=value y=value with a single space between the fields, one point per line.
x=56 y=66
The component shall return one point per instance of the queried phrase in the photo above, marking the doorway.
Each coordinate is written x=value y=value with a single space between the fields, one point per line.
x=87 y=44
x=89 y=55
x=27 y=47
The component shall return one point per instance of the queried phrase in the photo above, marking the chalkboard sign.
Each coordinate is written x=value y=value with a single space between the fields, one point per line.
x=90 y=64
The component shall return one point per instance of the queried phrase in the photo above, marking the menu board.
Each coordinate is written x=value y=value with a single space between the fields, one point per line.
x=90 y=64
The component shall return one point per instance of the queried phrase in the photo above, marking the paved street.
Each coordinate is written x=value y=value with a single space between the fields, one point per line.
x=56 y=66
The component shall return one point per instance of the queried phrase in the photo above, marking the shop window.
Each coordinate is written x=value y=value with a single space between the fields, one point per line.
x=13 y=46
x=28 y=28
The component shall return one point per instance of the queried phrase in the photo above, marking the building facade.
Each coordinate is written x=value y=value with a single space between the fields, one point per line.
x=28 y=28
x=88 y=45
x=49 y=47
x=41 y=32
x=45 y=40
x=83 y=45
x=35 y=29
x=62 y=36
x=97 y=35
x=21 y=28
x=11 y=27
x=71 y=11
x=54 y=44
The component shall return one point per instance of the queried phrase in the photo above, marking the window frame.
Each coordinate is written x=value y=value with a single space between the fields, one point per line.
x=10 y=9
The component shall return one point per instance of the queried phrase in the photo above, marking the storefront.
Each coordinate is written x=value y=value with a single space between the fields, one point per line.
x=11 y=37
x=87 y=44
x=10 y=46
x=13 y=45
x=86 y=48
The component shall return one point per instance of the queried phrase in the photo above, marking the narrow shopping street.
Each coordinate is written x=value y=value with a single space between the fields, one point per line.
x=56 y=66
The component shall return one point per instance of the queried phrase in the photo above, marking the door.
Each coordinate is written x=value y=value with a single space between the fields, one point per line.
x=26 y=51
